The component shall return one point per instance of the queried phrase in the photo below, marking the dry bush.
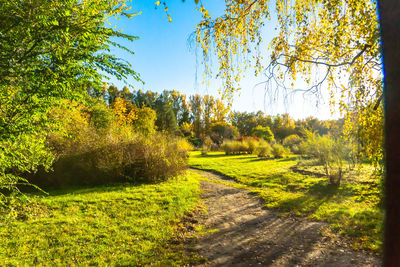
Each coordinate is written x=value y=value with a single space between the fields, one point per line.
x=87 y=155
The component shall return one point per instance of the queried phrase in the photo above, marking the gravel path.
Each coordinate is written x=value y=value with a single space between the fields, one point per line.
x=241 y=232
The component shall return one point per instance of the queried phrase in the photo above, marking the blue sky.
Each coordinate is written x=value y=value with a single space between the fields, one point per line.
x=164 y=60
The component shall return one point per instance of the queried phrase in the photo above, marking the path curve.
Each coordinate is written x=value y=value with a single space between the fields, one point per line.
x=241 y=232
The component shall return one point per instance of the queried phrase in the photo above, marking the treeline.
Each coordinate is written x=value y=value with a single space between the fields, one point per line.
x=198 y=117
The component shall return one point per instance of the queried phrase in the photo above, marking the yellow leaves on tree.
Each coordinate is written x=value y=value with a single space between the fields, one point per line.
x=125 y=111
x=337 y=39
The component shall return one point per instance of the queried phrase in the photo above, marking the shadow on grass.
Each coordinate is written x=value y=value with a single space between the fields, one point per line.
x=262 y=159
x=276 y=159
x=209 y=156
x=231 y=157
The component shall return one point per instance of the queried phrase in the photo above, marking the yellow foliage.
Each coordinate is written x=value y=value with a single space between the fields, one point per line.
x=338 y=38
x=125 y=111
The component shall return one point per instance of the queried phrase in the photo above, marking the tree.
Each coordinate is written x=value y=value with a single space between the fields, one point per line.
x=208 y=103
x=50 y=50
x=264 y=133
x=166 y=116
x=283 y=126
x=336 y=39
x=244 y=121
x=220 y=111
x=221 y=131
x=196 y=107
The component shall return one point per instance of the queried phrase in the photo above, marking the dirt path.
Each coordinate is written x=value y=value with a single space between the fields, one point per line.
x=243 y=233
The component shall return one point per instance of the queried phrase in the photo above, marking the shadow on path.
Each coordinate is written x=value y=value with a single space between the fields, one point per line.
x=244 y=233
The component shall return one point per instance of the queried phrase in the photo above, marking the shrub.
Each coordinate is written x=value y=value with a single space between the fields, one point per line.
x=251 y=145
x=145 y=122
x=235 y=147
x=206 y=146
x=279 y=151
x=87 y=155
x=329 y=152
x=227 y=147
x=135 y=159
x=293 y=141
x=184 y=146
x=263 y=150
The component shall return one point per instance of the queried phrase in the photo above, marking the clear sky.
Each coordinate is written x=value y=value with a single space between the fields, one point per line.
x=165 y=61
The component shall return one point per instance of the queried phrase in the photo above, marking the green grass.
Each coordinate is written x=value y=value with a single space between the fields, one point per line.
x=119 y=225
x=351 y=209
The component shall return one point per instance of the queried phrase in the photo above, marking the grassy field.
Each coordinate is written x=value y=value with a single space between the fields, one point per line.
x=352 y=208
x=123 y=225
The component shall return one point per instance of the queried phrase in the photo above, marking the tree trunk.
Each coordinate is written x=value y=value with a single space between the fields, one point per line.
x=389 y=15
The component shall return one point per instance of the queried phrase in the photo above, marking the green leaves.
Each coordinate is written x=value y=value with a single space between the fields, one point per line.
x=50 y=51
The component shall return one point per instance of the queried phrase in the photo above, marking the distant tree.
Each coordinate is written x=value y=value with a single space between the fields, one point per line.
x=100 y=115
x=180 y=107
x=263 y=120
x=220 y=111
x=166 y=117
x=147 y=99
x=145 y=121
x=283 y=126
x=263 y=132
x=196 y=108
x=186 y=129
x=209 y=106
x=222 y=130
x=245 y=122
x=125 y=111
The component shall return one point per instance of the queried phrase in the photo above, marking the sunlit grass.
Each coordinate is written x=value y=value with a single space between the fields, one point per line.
x=118 y=225
x=352 y=208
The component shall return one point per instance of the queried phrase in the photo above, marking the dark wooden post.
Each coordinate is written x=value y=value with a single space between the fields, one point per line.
x=389 y=16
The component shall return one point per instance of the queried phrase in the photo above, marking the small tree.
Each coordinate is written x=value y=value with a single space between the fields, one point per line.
x=263 y=132
x=329 y=152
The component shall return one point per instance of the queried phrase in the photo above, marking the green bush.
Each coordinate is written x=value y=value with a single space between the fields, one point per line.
x=251 y=145
x=330 y=153
x=279 y=151
x=293 y=141
x=207 y=143
x=221 y=131
x=263 y=150
x=236 y=147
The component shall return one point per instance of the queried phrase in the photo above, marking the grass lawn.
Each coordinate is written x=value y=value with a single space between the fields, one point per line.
x=123 y=225
x=352 y=208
